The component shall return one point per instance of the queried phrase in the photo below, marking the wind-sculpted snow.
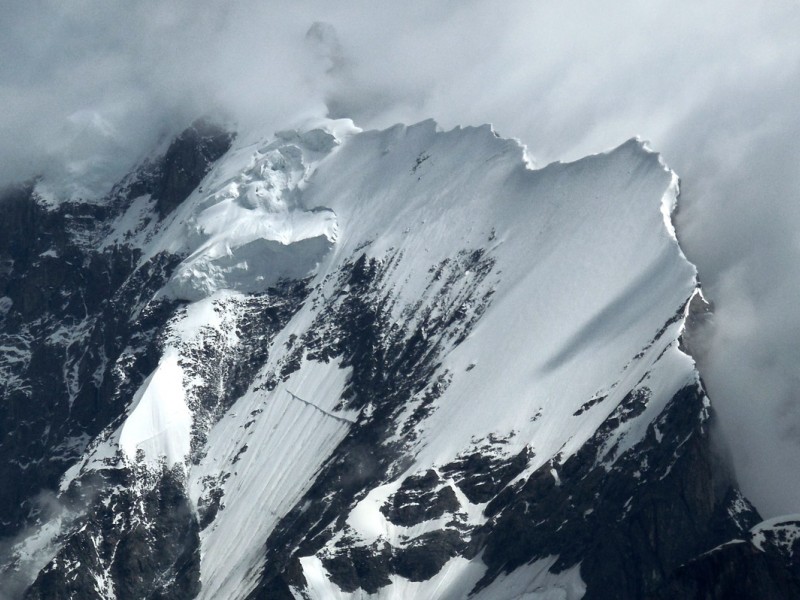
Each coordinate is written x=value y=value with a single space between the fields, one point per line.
x=402 y=363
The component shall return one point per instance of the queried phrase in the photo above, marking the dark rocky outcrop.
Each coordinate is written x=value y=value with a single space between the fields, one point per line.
x=81 y=330
x=628 y=526
x=420 y=498
x=144 y=546
x=735 y=571
x=72 y=313
x=482 y=475
x=187 y=160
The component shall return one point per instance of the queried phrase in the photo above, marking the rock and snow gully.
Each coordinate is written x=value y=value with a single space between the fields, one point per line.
x=334 y=363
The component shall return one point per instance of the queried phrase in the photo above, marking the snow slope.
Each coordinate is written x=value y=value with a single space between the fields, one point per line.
x=160 y=422
x=588 y=273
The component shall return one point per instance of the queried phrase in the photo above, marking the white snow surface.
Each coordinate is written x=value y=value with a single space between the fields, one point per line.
x=588 y=270
x=292 y=430
x=160 y=423
x=588 y=275
x=455 y=582
x=535 y=582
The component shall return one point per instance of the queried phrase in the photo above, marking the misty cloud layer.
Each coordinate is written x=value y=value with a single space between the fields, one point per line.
x=89 y=87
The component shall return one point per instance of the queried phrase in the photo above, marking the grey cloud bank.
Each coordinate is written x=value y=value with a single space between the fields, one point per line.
x=90 y=87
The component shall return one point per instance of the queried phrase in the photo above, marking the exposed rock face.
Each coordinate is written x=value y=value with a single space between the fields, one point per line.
x=141 y=544
x=419 y=499
x=186 y=162
x=474 y=384
x=72 y=314
x=763 y=563
x=79 y=336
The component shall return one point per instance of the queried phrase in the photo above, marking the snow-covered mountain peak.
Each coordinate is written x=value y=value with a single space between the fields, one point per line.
x=514 y=279
x=400 y=363
x=414 y=198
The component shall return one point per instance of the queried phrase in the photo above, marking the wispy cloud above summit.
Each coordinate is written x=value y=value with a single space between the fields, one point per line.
x=89 y=87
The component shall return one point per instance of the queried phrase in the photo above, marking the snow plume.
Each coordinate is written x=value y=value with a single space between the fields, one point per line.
x=88 y=87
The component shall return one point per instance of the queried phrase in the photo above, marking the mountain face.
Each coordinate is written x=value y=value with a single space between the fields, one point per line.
x=329 y=363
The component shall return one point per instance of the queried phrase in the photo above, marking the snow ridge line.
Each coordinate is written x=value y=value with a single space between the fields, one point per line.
x=322 y=410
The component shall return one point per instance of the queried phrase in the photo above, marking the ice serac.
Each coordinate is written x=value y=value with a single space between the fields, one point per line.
x=248 y=229
x=379 y=364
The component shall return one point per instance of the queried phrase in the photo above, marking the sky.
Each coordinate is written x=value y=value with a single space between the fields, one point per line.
x=89 y=87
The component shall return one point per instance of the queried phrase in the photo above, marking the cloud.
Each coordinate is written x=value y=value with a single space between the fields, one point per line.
x=89 y=87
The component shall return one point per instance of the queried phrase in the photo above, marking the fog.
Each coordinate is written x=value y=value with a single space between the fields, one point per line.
x=89 y=87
